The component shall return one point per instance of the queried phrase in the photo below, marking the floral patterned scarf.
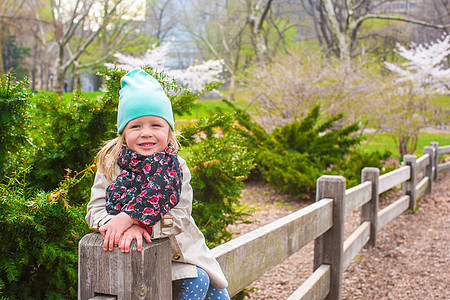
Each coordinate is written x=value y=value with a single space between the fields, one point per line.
x=148 y=187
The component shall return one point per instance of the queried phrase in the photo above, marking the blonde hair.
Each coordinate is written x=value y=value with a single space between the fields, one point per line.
x=107 y=157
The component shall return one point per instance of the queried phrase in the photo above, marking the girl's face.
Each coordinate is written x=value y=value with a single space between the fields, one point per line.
x=147 y=135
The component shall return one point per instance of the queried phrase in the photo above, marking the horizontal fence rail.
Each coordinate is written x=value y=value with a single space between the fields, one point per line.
x=247 y=257
x=394 y=178
x=445 y=167
x=443 y=150
x=317 y=286
x=422 y=162
x=355 y=242
x=271 y=244
x=439 y=168
x=357 y=196
x=392 y=211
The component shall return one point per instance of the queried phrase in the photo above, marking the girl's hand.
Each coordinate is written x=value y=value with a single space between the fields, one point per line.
x=134 y=232
x=113 y=230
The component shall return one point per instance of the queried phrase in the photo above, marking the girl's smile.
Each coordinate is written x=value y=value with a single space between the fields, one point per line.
x=147 y=135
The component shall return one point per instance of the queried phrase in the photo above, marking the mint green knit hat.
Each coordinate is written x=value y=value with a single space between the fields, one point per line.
x=142 y=95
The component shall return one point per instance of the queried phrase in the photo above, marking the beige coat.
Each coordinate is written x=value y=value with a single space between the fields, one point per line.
x=188 y=243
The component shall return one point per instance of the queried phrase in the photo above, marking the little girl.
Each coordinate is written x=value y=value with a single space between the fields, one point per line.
x=142 y=190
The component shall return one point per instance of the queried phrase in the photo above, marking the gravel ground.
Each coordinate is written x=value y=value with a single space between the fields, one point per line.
x=410 y=261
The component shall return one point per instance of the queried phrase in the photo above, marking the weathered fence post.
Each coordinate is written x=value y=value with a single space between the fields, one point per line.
x=329 y=247
x=116 y=275
x=369 y=211
x=435 y=145
x=409 y=188
x=428 y=171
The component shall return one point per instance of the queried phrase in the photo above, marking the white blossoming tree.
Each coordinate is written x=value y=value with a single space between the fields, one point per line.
x=425 y=66
x=405 y=109
x=194 y=77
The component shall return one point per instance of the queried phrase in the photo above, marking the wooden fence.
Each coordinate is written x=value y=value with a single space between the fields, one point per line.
x=144 y=275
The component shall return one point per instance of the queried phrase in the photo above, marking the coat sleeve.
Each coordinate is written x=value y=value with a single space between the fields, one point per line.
x=96 y=212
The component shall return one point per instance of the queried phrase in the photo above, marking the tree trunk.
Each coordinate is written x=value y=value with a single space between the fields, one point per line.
x=342 y=38
x=256 y=24
x=2 y=67
x=232 y=87
x=257 y=38
x=403 y=145
x=60 y=72
x=76 y=75
x=44 y=76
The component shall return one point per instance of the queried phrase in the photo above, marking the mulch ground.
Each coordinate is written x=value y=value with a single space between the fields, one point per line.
x=410 y=261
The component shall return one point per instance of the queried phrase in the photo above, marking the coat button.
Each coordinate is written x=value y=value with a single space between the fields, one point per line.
x=177 y=256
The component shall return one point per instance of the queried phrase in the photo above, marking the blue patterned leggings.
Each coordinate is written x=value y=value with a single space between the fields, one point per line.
x=197 y=288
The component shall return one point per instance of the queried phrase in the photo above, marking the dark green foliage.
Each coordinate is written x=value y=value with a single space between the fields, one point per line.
x=39 y=234
x=66 y=134
x=352 y=166
x=13 y=103
x=218 y=164
x=13 y=57
x=325 y=144
x=292 y=157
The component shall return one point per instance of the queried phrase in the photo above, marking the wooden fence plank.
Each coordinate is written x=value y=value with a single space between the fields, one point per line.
x=369 y=211
x=435 y=145
x=394 y=178
x=316 y=287
x=124 y=275
x=422 y=187
x=357 y=196
x=445 y=167
x=409 y=187
x=355 y=242
x=443 y=150
x=103 y=297
x=329 y=248
x=392 y=211
x=247 y=257
x=428 y=171
x=422 y=162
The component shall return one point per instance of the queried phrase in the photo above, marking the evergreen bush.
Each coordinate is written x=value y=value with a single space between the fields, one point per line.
x=13 y=104
x=219 y=162
x=292 y=157
x=39 y=234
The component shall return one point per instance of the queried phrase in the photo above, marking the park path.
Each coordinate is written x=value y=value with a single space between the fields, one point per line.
x=410 y=261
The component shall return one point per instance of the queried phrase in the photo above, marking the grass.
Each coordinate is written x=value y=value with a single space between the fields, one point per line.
x=442 y=101
x=382 y=142
x=85 y=94
x=203 y=108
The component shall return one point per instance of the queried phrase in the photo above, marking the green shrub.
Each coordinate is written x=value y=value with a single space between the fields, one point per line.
x=13 y=104
x=218 y=164
x=39 y=233
x=292 y=157
x=66 y=134
x=355 y=161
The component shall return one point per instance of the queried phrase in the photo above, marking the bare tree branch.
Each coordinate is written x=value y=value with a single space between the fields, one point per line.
x=402 y=19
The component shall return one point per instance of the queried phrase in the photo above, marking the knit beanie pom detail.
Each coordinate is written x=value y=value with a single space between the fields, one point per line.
x=142 y=95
